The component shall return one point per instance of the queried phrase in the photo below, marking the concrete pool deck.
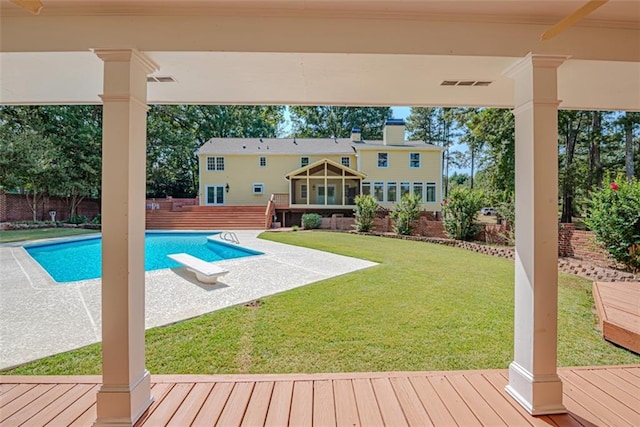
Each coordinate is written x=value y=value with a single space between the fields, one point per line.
x=39 y=317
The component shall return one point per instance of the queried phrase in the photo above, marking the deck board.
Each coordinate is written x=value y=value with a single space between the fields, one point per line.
x=368 y=411
x=618 y=308
x=213 y=405
x=258 y=405
x=593 y=397
x=324 y=409
x=302 y=404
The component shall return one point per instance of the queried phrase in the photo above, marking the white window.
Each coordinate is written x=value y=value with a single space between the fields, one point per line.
x=414 y=160
x=405 y=188
x=262 y=161
x=417 y=190
x=366 y=188
x=258 y=188
x=304 y=161
x=346 y=162
x=303 y=191
x=378 y=191
x=392 y=191
x=215 y=163
x=383 y=160
x=431 y=192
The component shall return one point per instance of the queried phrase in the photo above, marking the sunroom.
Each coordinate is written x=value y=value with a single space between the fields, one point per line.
x=324 y=183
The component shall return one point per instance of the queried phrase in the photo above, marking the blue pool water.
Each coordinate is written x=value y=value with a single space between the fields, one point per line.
x=82 y=259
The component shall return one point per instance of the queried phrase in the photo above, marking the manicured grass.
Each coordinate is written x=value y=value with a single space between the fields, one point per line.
x=41 y=233
x=425 y=307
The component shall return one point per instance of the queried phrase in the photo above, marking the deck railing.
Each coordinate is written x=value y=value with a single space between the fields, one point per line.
x=268 y=214
x=281 y=200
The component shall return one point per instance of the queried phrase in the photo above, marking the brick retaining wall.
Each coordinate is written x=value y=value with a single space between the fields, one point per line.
x=14 y=207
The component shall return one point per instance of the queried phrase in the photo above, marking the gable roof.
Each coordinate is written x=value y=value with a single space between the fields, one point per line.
x=299 y=146
x=329 y=162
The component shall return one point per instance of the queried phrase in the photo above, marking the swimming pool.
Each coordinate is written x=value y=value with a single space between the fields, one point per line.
x=75 y=260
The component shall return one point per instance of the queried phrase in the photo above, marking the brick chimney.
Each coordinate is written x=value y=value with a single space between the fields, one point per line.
x=393 y=133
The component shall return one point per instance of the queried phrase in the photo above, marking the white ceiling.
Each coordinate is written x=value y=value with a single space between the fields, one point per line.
x=320 y=52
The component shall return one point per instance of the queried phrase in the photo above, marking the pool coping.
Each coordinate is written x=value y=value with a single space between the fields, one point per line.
x=40 y=317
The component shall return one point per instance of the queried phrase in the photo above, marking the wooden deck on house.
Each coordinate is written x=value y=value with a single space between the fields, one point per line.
x=618 y=306
x=595 y=396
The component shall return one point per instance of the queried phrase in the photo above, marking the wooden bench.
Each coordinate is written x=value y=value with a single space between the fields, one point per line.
x=204 y=271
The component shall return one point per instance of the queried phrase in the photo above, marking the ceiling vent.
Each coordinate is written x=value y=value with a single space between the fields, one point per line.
x=465 y=83
x=160 y=79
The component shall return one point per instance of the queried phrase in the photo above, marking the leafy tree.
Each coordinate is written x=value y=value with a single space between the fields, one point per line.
x=629 y=122
x=614 y=216
x=66 y=138
x=331 y=121
x=28 y=163
x=405 y=213
x=571 y=130
x=365 y=212
x=460 y=213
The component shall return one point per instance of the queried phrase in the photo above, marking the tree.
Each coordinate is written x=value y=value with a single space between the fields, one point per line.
x=331 y=121
x=629 y=122
x=571 y=128
x=28 y=163
x=66 y=139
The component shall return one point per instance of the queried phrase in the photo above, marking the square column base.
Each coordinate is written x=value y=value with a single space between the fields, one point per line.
x=547 y=390
x=123 y=405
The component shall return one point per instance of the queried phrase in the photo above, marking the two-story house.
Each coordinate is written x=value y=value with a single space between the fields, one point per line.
x=321 y=175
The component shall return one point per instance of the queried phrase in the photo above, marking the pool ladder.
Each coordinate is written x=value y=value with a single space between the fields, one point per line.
x=230 y=236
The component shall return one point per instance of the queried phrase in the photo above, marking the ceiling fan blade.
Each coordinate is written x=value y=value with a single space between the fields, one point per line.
x=568 y=21
x=33 y=6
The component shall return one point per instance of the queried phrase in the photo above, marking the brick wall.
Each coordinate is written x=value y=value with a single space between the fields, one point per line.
x=14 y=207
x=580 y=244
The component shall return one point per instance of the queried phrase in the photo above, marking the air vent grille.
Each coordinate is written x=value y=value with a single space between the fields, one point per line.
x=160 y=79
x=465 y=83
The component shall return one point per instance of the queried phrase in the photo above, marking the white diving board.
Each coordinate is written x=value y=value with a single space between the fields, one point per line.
x=204 y=271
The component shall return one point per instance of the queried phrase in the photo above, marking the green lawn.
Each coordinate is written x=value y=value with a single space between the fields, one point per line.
x=425 y=307
x=41 y=233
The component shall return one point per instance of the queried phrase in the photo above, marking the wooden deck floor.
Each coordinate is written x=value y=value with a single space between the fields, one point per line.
x=593 y=396
x=618 y=306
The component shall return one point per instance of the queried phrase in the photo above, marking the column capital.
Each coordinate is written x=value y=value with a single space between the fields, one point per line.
x=126 y=55
x=536 y=61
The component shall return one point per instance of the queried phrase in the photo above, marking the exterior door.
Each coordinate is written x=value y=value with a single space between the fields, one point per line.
x=331 y=195
x=215 y=194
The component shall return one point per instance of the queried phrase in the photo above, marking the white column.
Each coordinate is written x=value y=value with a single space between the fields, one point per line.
x=533 y=379
x=125 y=392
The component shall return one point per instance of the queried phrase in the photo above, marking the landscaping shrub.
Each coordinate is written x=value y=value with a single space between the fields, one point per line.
x=365 y=211
x=405 y=213
x=97 y=219
x=614 y=217
x=77 y=219
x=311 y=221
x=460 y=213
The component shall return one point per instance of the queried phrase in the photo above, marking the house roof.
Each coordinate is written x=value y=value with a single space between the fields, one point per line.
x=301 y=146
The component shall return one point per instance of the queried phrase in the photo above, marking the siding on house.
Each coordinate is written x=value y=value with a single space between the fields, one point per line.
x=243 y=169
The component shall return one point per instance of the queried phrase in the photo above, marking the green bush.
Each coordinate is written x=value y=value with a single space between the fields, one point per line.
x=97 y=219
x=365 y=212
x=295 y=228
x=77 y=219
x=311 y=221
x=405 y=213
x=460 y=213
x=614 y=216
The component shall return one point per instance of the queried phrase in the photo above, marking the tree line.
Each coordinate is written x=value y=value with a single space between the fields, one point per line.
x=56 y=150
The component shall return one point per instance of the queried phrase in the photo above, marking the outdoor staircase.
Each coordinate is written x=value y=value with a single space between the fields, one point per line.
x=164 y=217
